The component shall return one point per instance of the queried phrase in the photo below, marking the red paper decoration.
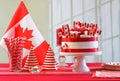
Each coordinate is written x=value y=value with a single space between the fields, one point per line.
x=49 y=62
x=31 y=60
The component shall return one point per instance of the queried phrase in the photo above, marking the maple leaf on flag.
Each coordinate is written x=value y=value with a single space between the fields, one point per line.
x=19 y=32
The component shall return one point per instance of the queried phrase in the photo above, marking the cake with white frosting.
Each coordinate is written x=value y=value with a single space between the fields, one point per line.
x=82 y=38
x=81 y=45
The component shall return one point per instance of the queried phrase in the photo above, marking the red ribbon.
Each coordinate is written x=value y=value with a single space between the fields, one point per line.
x=80 y=50
x=80 y=39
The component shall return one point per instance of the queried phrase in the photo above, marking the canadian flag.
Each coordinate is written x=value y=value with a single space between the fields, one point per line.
x=22 y=25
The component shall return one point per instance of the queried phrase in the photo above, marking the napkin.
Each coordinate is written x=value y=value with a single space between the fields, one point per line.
x=107 y=74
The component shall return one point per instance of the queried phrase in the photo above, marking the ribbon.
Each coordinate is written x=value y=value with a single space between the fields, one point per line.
x=80 y=50
x=80 y=39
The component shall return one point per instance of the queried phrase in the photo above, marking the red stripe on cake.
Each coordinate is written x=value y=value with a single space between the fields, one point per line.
x=80 y=50
x=80 y=39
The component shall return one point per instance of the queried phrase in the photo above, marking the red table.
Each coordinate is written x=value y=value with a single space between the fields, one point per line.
x=64 y=74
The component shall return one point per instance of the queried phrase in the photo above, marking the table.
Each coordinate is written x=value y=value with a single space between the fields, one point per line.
x=62 y=74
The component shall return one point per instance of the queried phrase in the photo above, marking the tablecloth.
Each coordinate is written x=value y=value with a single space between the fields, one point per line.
x=62 y=74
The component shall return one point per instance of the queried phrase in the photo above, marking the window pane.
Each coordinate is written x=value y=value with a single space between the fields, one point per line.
x=115 y=17
x=56 y=12
x=67 y=22
x=54 y=36
x=107 y=51
x=106 y=21
x=88 y=4
x=66 y=9
x=98 y=2
x=55 y=47
x=98 y=18
x=90 y=16
x=103 y=1
x=116 y=49
x=79 y=18
x=77 y=7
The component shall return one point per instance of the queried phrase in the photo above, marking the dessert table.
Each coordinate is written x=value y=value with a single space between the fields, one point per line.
x=62 y=74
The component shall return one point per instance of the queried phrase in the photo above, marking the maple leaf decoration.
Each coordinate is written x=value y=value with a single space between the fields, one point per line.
x=19 y=32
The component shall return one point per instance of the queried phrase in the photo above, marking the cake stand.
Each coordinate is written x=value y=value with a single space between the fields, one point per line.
x=80 y=63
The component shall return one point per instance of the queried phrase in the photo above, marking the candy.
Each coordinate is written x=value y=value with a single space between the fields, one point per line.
x=15 y=46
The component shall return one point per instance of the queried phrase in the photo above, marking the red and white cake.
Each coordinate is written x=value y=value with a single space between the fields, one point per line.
x=82 y=45
x=82 y=38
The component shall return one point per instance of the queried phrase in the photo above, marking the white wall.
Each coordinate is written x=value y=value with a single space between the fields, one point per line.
x=39 y=11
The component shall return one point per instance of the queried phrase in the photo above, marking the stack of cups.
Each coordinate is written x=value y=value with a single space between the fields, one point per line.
x=15 y=49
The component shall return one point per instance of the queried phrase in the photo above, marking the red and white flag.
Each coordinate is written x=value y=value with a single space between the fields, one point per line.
x=23 y=25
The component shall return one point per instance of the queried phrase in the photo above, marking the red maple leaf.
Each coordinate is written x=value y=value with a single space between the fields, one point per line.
x=65 y=46
x=19 y=32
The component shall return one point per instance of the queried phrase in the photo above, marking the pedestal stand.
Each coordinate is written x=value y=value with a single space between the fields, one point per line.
x=80 y=64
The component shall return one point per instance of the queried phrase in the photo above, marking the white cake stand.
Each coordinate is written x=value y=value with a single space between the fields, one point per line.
x=80 y=65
